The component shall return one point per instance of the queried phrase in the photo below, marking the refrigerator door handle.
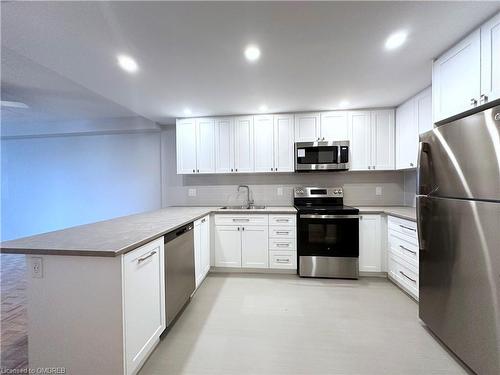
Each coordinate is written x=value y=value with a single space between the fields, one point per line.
x=422 y=169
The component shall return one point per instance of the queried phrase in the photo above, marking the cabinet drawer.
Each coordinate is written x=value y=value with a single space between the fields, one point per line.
x=282 y=244
x=241 y=219
x=405 y=275
x=404 y=246
x=282 y=220
x=403 y=226
x=282 y=232
x=282 y=259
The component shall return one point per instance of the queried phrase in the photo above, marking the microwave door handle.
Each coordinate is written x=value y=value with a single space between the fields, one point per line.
x=338 y=155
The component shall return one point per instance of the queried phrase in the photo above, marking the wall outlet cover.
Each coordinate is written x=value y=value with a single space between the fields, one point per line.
x=378 y=190
x=279 y=191
x=192 y=192
x=37 y=267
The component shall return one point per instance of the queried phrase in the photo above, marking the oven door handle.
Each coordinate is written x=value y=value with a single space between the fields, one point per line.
x=314 y=216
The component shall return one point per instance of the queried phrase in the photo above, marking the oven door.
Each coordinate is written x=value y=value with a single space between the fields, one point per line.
x=328 y=235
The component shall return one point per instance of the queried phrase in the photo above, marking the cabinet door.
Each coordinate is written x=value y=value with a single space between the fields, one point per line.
x=224 y=145
x=456 y=78
x=307 y=127
x=334 y=126
x=254 y=247
x=370 y=243
x=198 y=248
x=382 y=124
x=423 y=111
x=205 y=145
x=227 y=246
x=186 y=146
x=490 y=58
x=144 y=301
x=284 y=143
x=263 y=142
x=243 y=144
x=205 y=245
x=406 y=135
x=360 y=136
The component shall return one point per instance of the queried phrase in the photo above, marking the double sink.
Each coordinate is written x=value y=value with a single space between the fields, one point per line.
x=248 y=207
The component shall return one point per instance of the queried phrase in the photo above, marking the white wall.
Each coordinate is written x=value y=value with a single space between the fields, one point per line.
x=410 y=188
x=51 y=182
x=220 y=189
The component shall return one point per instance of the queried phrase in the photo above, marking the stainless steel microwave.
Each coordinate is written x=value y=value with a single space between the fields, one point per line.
x=321 y=156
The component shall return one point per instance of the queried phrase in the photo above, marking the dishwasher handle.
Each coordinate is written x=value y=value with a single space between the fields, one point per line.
x=178 y=232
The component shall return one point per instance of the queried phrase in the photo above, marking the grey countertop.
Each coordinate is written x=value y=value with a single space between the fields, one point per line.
x=117 y=236
x=404 y=212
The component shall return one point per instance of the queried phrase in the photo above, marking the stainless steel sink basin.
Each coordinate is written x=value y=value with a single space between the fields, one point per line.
x=251 y=207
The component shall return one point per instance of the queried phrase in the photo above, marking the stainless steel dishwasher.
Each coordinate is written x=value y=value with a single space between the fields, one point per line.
x=179 y=270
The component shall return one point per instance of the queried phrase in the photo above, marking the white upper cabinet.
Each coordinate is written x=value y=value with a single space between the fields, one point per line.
x=307 y=127
x=263 y=143
x=456 y=78
x=186 y=146
x=284 y=146
x=490 y=59
x=334 y=126
x=205 y=145
x=423 y=111
x=382 y=124
x=406 y=135
x=224 y=145
x=360 y=136
x=243 y=144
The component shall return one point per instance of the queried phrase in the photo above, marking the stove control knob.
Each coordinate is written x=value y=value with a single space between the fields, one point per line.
x=335 y=191
x=299 y=191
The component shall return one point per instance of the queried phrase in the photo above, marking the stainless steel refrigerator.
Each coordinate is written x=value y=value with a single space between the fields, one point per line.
x=458 y=217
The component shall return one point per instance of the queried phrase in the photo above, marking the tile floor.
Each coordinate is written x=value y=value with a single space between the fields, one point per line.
x=281 y=324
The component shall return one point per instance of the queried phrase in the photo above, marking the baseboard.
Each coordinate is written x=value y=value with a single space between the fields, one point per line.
x=251 y=270
x=373 y=274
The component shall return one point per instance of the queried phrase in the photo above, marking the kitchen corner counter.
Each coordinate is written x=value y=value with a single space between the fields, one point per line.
x=403 y=212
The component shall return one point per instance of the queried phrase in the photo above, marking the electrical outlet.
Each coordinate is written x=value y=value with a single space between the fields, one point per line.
x=37 y=267
x=279 y=191
x=378 y=190
x=192 y=192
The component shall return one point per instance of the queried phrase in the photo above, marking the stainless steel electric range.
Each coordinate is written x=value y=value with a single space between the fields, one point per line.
x=327 y=233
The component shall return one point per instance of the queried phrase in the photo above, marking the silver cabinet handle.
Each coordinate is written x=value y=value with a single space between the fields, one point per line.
x=238 y=228
x=236 y=170
x=282 y=220
x=198 y=171
x=231 y=169
x=283 y=244
x=146 y=257
x=240 y=220
x=373 y=167
x=194 y=171
x=410 y=251
x=323 y=138
x=483 y=99
x=242 y=228
x=408 y=277
x=405 y=227
x=278 y=260
x=282 y=232
x=411 y=164
x=473 y=102
x=369 y=167
x=203 y=220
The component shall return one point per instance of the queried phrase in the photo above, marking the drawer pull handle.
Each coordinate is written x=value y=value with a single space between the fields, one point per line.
x=283 y=244
x=408 y=277
x=146 y=257
x=405 y=227
x=282 y=232
x=239 y=220
x=278 y=260
x=410 y=251
x=282 y=220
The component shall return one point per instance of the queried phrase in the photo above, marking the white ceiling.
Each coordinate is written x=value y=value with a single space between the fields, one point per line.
x=191 y=54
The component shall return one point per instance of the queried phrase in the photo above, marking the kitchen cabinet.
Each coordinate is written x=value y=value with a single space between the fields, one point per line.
x=413 y=117
x=334 y=126
x=227 y=246
x=224 y=145
x=307 y=127
x=490 y=59
x=372 y=140
x=264 y=143
x=284 y=143
x=243 y=144
x=371 y=256
x=202 y=248
x=254 y=250
x=143 y=298
x=195 y=144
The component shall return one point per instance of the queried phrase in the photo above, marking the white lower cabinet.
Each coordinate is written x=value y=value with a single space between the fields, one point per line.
x=143 y=299
x=370 y=243
x=255 y=241
x=201 y=248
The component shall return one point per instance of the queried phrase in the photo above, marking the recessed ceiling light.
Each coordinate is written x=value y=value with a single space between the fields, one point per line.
x=187 y=111
x=127 y=63
x=396 y=40
x=252 y=53
x=263 y=108
x=343 y=103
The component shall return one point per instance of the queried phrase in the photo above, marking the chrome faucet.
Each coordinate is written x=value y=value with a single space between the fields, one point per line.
x=249 y=201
